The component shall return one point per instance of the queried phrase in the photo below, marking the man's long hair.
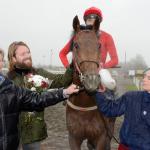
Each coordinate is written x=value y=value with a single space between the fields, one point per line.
x=12 y=53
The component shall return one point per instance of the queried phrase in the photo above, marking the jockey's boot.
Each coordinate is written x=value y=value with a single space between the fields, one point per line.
x=106 y=79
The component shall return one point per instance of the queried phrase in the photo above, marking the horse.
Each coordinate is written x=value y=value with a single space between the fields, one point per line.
x=84 y=121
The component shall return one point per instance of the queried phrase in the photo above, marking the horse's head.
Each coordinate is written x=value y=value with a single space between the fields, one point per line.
x=86 y=54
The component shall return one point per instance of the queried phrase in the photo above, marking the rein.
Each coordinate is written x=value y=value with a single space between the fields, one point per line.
x=80 y=108
x=75 y=57
x=110 y=134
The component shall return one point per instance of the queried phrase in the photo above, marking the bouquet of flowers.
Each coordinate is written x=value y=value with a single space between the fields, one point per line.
x=35 y=83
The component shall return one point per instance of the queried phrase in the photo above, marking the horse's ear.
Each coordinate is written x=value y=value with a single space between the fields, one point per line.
x=96 y=24
x=76 y=24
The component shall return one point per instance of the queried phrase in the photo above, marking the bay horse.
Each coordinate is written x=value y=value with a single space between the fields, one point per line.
x=84 y=121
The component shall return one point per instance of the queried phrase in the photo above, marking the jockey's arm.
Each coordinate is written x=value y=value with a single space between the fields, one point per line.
x=111 y=50
x=63 y=54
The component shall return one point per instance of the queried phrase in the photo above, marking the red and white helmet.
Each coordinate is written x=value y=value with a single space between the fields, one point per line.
x=93 y=11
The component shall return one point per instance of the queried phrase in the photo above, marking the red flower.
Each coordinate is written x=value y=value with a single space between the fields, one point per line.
x=44 y=84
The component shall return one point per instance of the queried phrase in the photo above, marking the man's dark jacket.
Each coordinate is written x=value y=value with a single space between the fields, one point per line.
x=32 y=128
x=15 y=99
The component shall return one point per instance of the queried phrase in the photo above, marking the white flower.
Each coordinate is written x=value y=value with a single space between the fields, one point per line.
x=37 y=83
x=37 y=80
x=33 y=89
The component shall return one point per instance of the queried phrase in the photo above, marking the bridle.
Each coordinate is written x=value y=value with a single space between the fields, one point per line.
x=82 y=78
x=78 y=63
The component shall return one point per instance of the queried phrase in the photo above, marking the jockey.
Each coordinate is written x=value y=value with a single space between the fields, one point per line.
x=105 y=39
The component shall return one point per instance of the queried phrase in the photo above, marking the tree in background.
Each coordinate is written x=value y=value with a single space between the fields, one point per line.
x=136 y=63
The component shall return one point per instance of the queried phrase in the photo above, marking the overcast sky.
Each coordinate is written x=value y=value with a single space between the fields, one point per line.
x=46 y=25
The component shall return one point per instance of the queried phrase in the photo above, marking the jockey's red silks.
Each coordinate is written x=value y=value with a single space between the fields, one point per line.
x=107 y=47
x=122 y=147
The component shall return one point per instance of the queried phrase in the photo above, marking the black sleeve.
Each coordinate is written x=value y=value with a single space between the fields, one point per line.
x=29 y=101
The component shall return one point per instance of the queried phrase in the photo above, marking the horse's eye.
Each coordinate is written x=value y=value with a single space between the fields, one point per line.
x=76 y=45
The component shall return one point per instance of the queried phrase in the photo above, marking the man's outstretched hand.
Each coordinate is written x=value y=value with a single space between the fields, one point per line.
x=71 y=89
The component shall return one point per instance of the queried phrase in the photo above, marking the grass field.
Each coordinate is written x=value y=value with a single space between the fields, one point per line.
x=131 y=88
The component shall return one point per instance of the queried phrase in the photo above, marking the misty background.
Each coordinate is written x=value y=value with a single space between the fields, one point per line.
x=46 y=25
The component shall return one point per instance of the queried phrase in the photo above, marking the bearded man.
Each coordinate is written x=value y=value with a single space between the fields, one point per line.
x=32 y=130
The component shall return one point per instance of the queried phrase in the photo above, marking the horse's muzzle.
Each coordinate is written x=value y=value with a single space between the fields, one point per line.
x=91 y=82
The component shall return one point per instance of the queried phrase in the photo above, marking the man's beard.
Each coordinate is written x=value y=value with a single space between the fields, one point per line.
x=24 y=64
